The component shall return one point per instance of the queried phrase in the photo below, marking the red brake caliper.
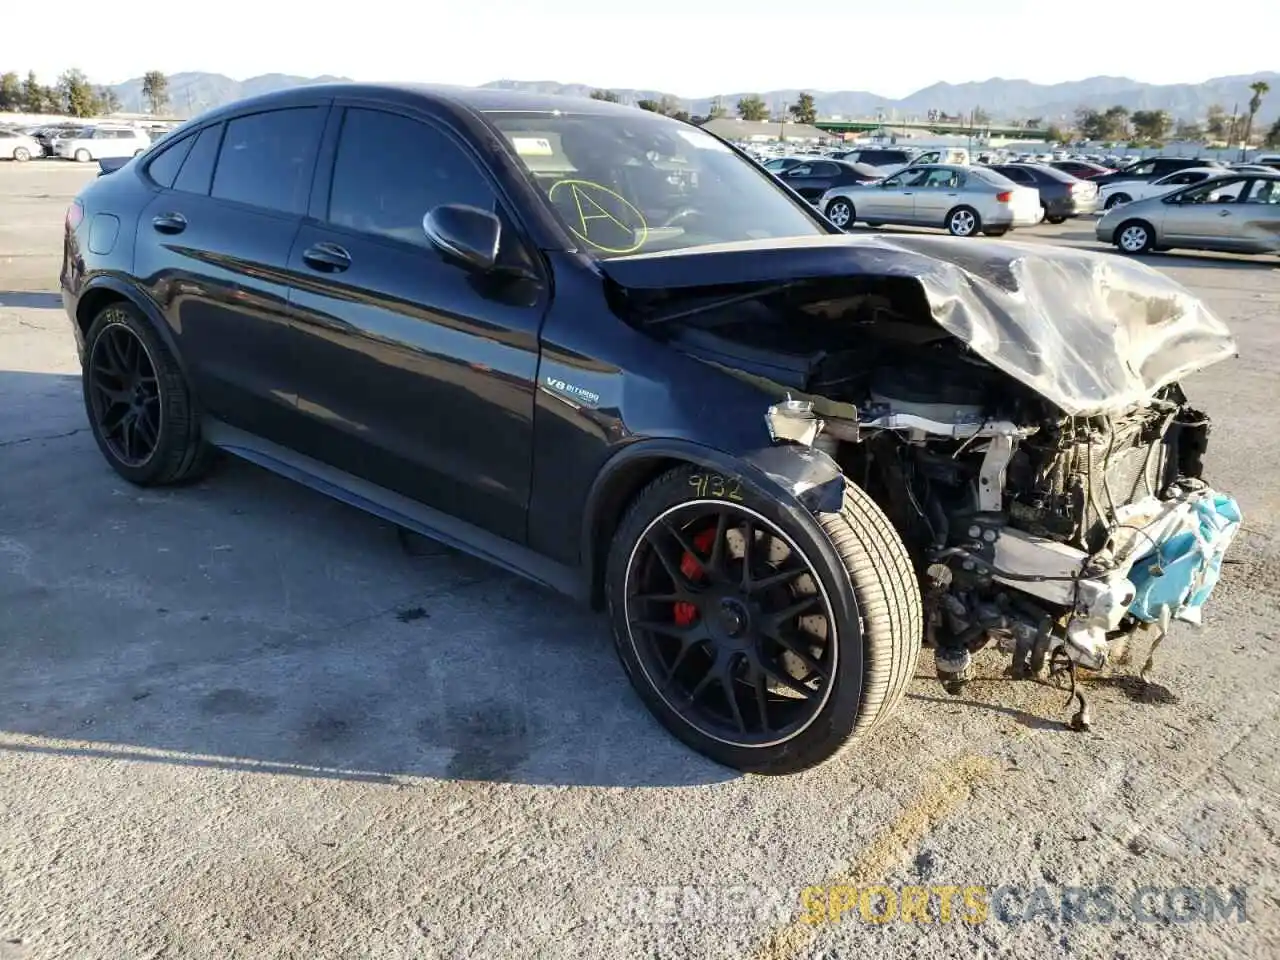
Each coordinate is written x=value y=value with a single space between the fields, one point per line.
x=684 y=614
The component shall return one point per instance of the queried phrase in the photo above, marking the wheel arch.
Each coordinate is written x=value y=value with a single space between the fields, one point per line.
x=102 y=292
x=807 y=480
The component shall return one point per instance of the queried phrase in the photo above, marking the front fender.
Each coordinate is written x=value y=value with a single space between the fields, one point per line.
x=802 y=478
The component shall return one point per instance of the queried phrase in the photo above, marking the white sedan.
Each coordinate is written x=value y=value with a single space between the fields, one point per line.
x=1126 y=191
x=18 y=146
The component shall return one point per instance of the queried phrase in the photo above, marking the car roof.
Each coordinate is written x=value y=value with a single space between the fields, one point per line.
x=477 y=99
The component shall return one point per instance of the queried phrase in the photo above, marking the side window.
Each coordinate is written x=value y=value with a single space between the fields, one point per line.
x=899 y=179
x=1262 y=191
x=942 y=178
x=801 y=170
x=164 y=167
x=197 y=169
x=267 y=159
x=1216 y=191
x=825 y=170
x=390 y=171
x=1141 y=169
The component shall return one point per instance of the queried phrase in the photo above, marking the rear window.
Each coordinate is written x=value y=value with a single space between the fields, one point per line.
x=993 y=177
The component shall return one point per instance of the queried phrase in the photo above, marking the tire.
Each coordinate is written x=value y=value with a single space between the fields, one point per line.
x=857 y=566
x=21 y=154
x=1134 y=236
x=1055 y=220
x=995 y=231
x=1115 y=200
x=178 y=454
x=964 y=222
x=83 y=156
x=840 y=211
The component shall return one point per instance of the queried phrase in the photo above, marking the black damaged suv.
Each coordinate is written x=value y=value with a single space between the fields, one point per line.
x=596 y=346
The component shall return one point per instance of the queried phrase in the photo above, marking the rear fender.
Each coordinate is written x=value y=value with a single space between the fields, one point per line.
x=105 y=288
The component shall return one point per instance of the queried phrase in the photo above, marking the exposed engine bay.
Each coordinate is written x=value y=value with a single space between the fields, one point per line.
x=1034 y=522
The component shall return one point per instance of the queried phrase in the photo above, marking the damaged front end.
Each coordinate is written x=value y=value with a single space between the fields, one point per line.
x=1014 y=409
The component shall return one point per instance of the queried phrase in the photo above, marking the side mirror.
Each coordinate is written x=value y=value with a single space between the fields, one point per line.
x=468 y=233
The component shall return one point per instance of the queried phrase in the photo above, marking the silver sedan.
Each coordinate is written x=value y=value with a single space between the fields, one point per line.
x=964 y=200
x=1237 y=213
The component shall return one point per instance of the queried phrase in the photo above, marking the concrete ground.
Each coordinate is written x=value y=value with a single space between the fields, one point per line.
x=240 y=720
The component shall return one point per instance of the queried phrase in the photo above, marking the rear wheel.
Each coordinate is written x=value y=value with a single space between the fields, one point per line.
x=963 y=222
x=82 y=156
x=840 y=212
x=139 y=407
x=765 y=640
x=1055 y=219
x=1134 y=236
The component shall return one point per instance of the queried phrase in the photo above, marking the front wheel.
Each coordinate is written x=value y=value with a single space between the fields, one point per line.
x=840 y=212
x=764 y=639
x=1134 y=236
x=963 y=222
x=82 y=156
x=21 y=154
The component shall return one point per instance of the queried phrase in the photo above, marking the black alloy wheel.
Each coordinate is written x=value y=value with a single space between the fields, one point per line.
x=124 y=395
x=730 y=624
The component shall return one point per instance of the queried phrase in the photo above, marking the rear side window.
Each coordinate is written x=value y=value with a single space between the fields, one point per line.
x=164 y=167
x=197 y=169
x=390 y=171
x=267 y=159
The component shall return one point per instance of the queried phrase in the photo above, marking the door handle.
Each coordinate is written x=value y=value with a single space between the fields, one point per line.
x=169 y=223
x=327 y=258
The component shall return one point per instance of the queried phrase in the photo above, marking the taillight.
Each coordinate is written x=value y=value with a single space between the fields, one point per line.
x=1004 y=197
x=75 y=213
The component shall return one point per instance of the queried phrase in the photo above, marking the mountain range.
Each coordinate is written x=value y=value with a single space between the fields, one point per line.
x=191 y=93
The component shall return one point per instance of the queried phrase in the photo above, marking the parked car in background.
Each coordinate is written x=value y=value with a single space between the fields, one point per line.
x=1153 y=168
x=1126 y=191
x=1271 y=160
x=1061 y=195
x=964 y=200
x=96 y=143
x=1083 y=169
x=813 y=178
x=952 y=156
x=1234 y=213
x=779 y=164
x=877 y=156
x=18 y=146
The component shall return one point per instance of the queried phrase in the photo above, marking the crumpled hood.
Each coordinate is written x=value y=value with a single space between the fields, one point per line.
x=1091 y=332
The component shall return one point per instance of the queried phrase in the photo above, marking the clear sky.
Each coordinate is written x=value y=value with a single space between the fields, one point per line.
x=691 y=48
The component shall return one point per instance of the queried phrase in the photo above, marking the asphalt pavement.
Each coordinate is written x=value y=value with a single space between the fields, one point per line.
x=238 y=719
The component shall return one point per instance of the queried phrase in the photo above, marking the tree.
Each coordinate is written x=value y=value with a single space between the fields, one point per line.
x=1117 y=122
x=682 y=116
x=108 y=102
x=718 y=110
x=1273 y=135
x=1260 y=89
x=33 y=95
x=1215 y=123
x=1035 y=123
x=1189 y=130
x=1091 y=124
x=804 y=110
x=668 y=106
x=1055 y=134
x=77 y=95
x=10 y=92
x=155 y=90
x=607 y=95
x=651 y=105
x=980 y=117
x=1151 y=125
x=753 y=108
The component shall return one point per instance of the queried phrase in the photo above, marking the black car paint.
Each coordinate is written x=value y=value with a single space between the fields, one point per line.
x=513 y=418
x=812 y=179
x=1054 y=186
x=1163 y=167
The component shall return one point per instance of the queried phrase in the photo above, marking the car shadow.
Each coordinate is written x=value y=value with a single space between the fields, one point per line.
x=26 y=299
x=246 y=623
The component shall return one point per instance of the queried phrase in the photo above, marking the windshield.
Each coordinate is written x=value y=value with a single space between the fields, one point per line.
x=625 y=184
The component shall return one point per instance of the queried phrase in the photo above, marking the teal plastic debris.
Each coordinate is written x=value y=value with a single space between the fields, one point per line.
x=1175 y=579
